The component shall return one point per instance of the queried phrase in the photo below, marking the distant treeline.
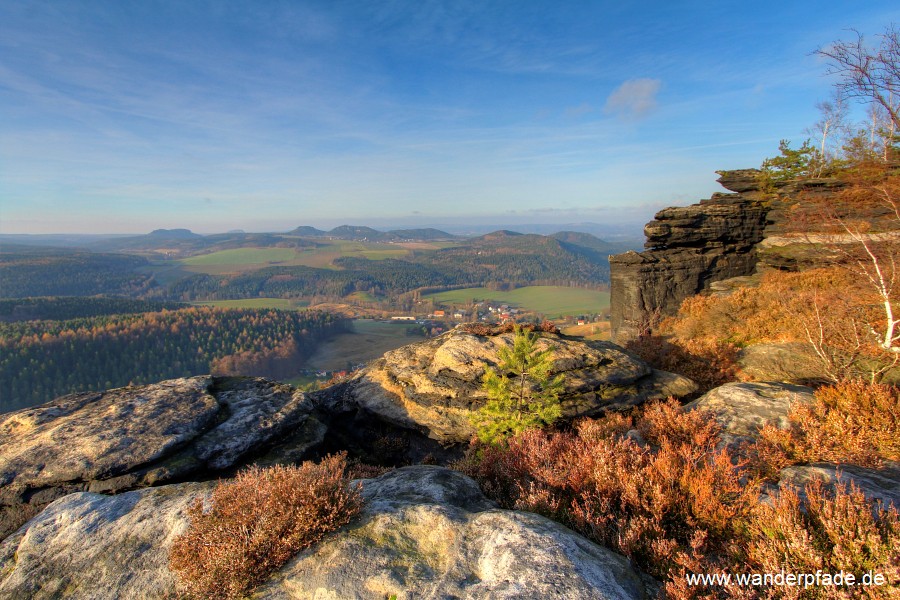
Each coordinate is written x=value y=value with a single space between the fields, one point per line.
x=76 y=307
x=35 y=272
x=40 y=360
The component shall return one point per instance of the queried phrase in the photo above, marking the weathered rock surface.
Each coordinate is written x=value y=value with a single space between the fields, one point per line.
x=425 y=532
x=791 y=362
x=137 y=436
x=691 y=247
x=87 y=545
x=435 y=385
x=877 y=484
x=743 y=408
x=687 y=249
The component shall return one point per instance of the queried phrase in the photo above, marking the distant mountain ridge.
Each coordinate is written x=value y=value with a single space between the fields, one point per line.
x=363 y=233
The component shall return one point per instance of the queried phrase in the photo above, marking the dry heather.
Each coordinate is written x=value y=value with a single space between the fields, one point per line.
x=708 y=362
x=826 y=309
x=257 y=522
x=851 y=422
x=676 y=505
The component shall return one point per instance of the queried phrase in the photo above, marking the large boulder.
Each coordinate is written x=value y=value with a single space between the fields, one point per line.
x=424 y=532
x=435 y=386
x=145 y=435
x=743 y=408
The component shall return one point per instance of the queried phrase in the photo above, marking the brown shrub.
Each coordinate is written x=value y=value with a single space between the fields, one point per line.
x=831 y=531
x=549 y=327
x=710 y=363
x=651 y=503
x=851 y=422
x=482 y=329
x=357 y=469
x=678 y=505
x=258 y=521
x=828 y=309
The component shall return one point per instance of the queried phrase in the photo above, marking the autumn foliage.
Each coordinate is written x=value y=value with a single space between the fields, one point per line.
x=851 y=422
x=256 y=522
x=660 y=489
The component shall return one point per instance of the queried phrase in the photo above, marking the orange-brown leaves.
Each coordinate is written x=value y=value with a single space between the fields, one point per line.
x=258 y=521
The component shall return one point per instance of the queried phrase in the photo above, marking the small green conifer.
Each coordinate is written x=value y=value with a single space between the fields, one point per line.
x=521 y=392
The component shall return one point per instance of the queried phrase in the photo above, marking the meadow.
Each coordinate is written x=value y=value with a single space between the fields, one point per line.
x=242 y=256
x=550 y=300
x=278 y=303
x=368 y=341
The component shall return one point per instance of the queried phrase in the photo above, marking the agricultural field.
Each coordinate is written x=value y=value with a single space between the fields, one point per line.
x=278 y=303
x=242 y=256
x=368 y=341
x=599 y=330
x=550 y=300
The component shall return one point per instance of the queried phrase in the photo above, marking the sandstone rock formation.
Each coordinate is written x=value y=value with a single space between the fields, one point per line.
x=138 y=436
x=689 y=248
x=743 y=408
x=424 y=532
x=202 y=427
x=434 y=386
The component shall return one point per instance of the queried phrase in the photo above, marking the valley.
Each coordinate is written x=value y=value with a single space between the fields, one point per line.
x=145 y=307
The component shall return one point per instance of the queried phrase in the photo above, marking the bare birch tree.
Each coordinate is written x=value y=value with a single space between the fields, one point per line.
x=871 y=74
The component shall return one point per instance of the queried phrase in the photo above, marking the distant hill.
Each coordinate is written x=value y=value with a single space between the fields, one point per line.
x=600 y=247
x=522 y=259
x=362 y=233
x=183 y=242
x=496 y=236
x=174 y=234
x=359 y=232
x=307 y=231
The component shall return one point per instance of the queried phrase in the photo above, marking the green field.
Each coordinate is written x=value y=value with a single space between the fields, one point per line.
x=242 y=256
x=322 y=256
x=281 y=303
x=553 y=301
x=368 y=340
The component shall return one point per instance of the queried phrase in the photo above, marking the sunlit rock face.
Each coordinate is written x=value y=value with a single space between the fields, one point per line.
x=145 y=435
x=424 y=532
x=434 y=386
x=692 y=247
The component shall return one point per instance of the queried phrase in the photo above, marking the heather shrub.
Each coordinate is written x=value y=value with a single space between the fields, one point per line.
x=257 y=522
x=709 y=363
x=833 y=530
x=676 y=504
x=830 y=310
x=654 y=503
x=850 y=422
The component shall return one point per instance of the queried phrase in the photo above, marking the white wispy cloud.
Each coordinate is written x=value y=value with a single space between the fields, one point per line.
x=634 y=99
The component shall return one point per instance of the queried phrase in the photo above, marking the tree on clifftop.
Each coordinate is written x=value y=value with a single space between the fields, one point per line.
x=521 y=392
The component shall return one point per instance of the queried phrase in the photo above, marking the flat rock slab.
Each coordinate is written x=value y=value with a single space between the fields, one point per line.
x=145 y=435
x=425 y=532
x=877 y=484
x=94 y=546
x=743 y=408
x=435 y=386
x=98 y=435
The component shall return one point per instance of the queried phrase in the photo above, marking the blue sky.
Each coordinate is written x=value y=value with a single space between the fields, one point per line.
x=130 y=116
